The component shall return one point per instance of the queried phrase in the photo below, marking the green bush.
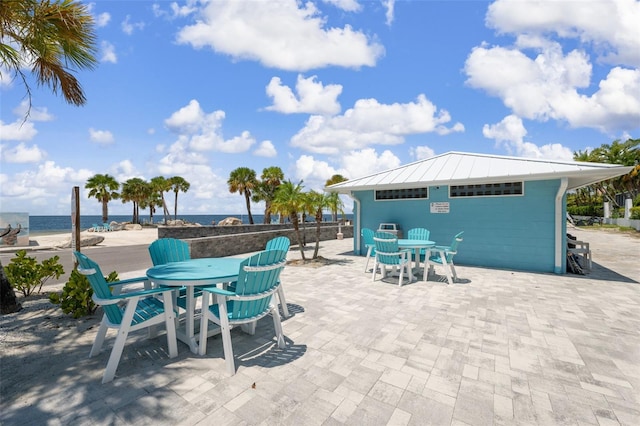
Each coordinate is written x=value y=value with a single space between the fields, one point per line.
x=26 y=275
x=635 y=212
x=76 y=295
x=591 y=210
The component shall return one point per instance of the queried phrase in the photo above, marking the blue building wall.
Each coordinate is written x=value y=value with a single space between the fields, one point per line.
x=512 y=232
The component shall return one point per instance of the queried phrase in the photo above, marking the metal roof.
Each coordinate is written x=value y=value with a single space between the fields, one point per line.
x=462 y=168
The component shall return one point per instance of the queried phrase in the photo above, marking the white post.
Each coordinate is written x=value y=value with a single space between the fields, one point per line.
x=607 y=210
x=628 y=203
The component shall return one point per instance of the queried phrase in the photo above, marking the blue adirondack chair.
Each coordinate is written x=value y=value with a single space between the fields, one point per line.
x=280 y=243
x=419 y=234
x=142 y=309
x=166 y=250
x=252 y=299
x=388 y=254
x=443 y=255
x=367 y=239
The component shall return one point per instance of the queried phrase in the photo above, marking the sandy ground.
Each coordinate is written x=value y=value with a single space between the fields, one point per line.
x=111 y=239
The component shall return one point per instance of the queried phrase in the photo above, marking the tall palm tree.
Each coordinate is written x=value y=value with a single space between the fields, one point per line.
x=243 y=180
x=178 y=183
x=162 y=185
x=103 y=188
x=335 y=203
x=49 y=38
x=270 y=180
x=137 y=191
x=289 y=200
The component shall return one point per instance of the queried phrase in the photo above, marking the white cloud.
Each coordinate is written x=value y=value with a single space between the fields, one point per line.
x=203 y=132
x=364 y=162
x=369 y=123
x=551 y=86
x=129 y=27
x=537 y=80
x=21 y=154
x=313 y=97
x=32 y=113
x=101 y=137
x=313 y=172
x=611 y=26
x=510 y=133
x=265 y=32
x=266 y=149
x=124 y=170
x=421 y=152
x=108 y=52
x=390 y=5
x=17 y=131
x=102 y=19
x=346 y=5
x=47 y=182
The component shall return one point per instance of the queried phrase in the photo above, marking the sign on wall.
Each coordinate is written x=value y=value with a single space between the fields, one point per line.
x=441 y=207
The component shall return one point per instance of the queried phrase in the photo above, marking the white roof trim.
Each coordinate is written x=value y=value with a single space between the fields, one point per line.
x=460 y=168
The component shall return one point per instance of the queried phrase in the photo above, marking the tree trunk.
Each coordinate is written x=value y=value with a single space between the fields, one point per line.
x=318 y=222
x=296 y=227
x=248 y=202
x=8 y=301
x=267 y=212
x=175 y=207
x=105 y=211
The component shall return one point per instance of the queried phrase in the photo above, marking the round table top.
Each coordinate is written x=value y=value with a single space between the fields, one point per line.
x=203 y=271
x=405 y=242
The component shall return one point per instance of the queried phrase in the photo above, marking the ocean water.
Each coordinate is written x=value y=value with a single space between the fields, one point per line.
x=39 y=225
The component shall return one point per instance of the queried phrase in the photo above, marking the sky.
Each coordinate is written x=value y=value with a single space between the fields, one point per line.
x=199 y=88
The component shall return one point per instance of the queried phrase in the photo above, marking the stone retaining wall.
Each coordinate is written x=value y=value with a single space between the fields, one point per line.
x=245 y=238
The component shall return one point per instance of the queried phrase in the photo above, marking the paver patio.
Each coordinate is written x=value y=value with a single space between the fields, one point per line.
x=500 y=347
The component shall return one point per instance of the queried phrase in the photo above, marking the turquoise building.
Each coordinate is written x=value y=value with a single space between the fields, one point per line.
x=512 y=210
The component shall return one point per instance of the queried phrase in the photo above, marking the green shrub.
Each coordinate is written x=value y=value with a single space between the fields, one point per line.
x=26 y=275
x=635 y=212
x=76 y=295
x=591 y=210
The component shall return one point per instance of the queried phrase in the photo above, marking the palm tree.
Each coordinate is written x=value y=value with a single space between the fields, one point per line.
x=317 y=202
x=162 y=185
x=265 y=190
x=335 y=203
x=243 y=180
x=103 y=188
x=178 y=184
x=289 y=200
x=49 y=38
x=137 y=191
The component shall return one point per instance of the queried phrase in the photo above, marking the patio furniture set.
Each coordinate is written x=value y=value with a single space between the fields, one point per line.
x=389 y=251
x=233 y=292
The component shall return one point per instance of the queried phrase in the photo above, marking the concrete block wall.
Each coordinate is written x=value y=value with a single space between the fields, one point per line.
x=229 y=244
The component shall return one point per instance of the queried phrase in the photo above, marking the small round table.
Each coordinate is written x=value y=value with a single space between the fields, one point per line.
x=191 y=273
x=416 y=245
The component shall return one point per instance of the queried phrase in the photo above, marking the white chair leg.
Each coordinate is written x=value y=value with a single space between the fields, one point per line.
x=375 y=269
x=283 y=301
x=368 y=258
x=99 y=340
x=278 y=329
x=121 y=338
x=225 y=330
x=204 y=323
x=170 y=324
x=400 y=276
x=250 y=328
x=453 y=271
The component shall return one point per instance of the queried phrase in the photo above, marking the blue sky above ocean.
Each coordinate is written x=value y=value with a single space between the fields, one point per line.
x=197 y=89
